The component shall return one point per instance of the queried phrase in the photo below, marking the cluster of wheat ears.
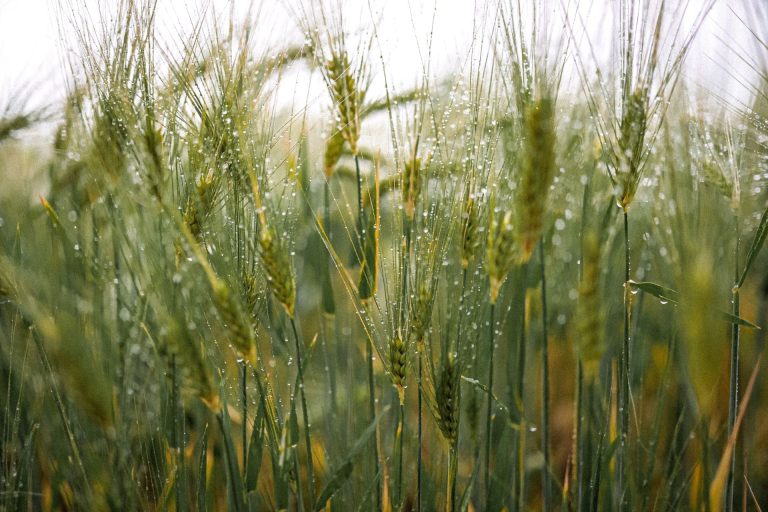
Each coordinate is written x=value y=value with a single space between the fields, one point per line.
x=530 y=282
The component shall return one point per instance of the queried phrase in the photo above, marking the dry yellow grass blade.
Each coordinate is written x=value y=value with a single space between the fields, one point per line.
x=718 y=483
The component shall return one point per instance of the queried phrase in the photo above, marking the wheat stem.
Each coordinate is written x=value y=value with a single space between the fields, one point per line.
x=399 y=439
x=304 y=413
x=244 y=412
x=545 y=480
x=520 y=393
x=461 y=306
x=419 y=462
x=624 y=376
x=453 y=466
x=578 y=463
x=175 y=441
x=403 y=307
x=733 y=391
x=372 y=414
x=489 y=409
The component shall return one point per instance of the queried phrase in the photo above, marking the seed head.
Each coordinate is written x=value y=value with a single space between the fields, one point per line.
x=346 y=97
x=238 y=329
x=334 y=148
x=421 y=312
x=589 y=309
x=537 y=173
x=500 y=251
x=398 y=358
x=278 y=268
x=448 y=398
x=632 y=137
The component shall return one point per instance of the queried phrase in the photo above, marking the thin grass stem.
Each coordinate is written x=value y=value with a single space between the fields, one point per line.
x=545 y=480
x=624 y=377
x=489 y=408
x=453 y=465
x=733 y=388
x=419 y=461
x=372 y=414
x=304 y=413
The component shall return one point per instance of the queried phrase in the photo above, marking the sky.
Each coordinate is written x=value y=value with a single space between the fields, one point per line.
x=33 y=38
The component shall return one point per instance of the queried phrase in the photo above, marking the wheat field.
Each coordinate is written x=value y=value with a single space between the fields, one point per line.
x=530 y=280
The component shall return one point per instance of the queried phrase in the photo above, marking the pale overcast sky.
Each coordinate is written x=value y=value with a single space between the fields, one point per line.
x=31 y=49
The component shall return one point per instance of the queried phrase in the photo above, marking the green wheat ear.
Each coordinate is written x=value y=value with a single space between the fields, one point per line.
x=278 y=268
x=275 y=258
x=634 y=122
x=369 y=271
x=500 y=251
x=346 y=95
x=334 y=148
x=448 y=399
x=589 y=315
x=398 y=360
x=538 y=170
x=421 y=311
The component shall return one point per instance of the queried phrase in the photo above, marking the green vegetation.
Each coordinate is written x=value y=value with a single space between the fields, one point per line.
x=542 y=287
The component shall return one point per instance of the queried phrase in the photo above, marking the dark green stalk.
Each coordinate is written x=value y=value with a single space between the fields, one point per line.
x=624 y=377
x=327 y=207
x=372 y=413
x=454 y=449
x=453 y=466
x=175 y=430
x=299 y=494
x=368 y=349
x=521 y=434
x=733 y=391
x=399 y=437
x=489 y=409
x=400 y=428
x=580 y=437
x=244 y=412
x=545 y=480
x=596 y=461
x=304 y=413
x=419 y=462
x=461 y=306
x=520 y=454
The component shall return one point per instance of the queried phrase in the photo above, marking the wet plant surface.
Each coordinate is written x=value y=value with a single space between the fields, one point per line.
x=535 y=281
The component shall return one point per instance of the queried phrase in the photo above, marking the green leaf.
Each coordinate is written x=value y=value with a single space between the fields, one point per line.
x=737 y=320
x=363 y=439
x=670 y=295
x=757 y=244
x=344 y=471
x=235 y=480
x=328 y=301
x=658 y=291
x=293 y=424
x=202 y=471
x=255 y=448
x=338 y=479
x=482 y=387
x=464 y=503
